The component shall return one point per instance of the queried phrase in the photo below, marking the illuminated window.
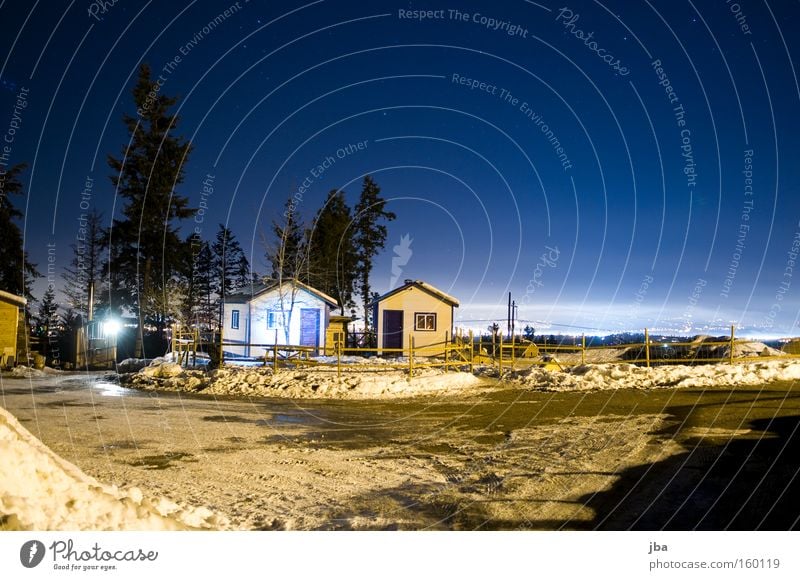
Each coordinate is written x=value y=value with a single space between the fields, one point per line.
x=425 y=321
x=275 y=319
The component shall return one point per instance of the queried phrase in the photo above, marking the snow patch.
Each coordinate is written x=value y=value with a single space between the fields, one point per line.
x=41 y=491
x=28 y=372
x=627 y=376
x=311 y=382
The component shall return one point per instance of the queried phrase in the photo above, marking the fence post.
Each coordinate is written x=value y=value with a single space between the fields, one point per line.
x=410 y=356
x=446 y=347
x=338 y=359
x=472 y=352
x=583 y=349
x=221 y=347
x=501 y=355
x=733 y=341
x=647 y=346
x=513 y=351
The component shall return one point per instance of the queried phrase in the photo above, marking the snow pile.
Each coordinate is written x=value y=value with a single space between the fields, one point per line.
x=41 y=491
x=22 y=371
x=132 y=365
x=312 y=382
x=162 y=369
x=750 y=349
x=623 y=376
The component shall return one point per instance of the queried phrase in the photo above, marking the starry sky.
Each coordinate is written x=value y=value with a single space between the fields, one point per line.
x=613 y=164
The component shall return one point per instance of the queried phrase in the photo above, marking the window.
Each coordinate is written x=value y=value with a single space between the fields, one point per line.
x=425 y=321
x=275 y=319
x=235 y=319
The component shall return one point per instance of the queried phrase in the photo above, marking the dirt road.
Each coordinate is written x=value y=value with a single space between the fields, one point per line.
x=510 y=459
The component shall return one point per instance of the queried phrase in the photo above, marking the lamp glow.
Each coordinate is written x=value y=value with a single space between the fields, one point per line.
x=111 y=327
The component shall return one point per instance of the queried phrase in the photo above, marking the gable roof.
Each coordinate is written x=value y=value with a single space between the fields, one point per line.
x=259 y=288
x=425 y=287
x=12 y=298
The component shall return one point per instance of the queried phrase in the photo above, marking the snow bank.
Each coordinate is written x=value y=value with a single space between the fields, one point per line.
x=311 y=382
x=41 y=491
x=27 y=372
x=132 y=365
x=623 y=376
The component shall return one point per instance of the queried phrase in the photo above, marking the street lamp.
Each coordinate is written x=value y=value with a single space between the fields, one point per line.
x=111 y=327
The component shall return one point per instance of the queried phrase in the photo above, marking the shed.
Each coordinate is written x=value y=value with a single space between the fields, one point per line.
x=337 y=332
x=415 y=309
x=11 y=307
x=275 y=313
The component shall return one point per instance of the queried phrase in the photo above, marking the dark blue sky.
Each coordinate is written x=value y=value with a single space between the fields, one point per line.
x=609 y=195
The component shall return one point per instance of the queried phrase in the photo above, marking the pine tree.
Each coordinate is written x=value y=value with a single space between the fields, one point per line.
x=207 y=301
x=331 y=251
x=16 y=272
x=288 y=254
x=47 y=319
x=188 y=281
x=85 y=273
x=289 y=257
x=370 y=235
x=146 y=250
x=231 y=268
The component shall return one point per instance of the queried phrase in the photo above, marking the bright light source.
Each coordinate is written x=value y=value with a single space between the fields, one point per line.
x=111 y=327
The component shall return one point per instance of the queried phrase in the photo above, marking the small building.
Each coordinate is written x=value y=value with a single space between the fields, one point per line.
x=97 y=342
x=291 y=313
x=415 y=309
x=11 y=307
x=337 y=332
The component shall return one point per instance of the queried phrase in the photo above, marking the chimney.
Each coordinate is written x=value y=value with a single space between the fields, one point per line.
x=408 y=281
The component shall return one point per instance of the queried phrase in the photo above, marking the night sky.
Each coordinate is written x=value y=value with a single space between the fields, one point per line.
x=613 y=164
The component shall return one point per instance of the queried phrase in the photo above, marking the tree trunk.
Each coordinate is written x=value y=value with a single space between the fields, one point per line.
x=139 y=350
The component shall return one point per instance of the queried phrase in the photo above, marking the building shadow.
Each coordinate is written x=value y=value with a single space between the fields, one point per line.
x=749 y=482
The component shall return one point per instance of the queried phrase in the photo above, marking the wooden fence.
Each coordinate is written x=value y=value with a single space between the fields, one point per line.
x=464 y=351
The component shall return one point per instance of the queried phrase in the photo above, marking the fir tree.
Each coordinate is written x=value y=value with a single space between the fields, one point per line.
x=231 y=268
x=85 y=273
x=288 y=254
x=207 y=307
x=47 y=319
x=146 y=250
x=370 y=235
x=16 y=272
x=289 y=258
x=331 y=252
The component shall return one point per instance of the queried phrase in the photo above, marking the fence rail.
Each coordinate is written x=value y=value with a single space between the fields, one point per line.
x=464 y=351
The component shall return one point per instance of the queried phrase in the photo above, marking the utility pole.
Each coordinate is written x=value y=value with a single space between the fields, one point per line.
x=508 y=319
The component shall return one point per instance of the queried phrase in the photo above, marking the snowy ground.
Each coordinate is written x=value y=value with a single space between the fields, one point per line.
x=533 y=451
x=274 y=464
x=41 y=491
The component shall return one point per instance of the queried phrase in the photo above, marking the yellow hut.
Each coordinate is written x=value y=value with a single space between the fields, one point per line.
x=415 y=311
x=336 y=333
x=10 y=307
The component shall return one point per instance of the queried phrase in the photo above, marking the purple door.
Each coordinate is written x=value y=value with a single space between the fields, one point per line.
x=392 y=329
